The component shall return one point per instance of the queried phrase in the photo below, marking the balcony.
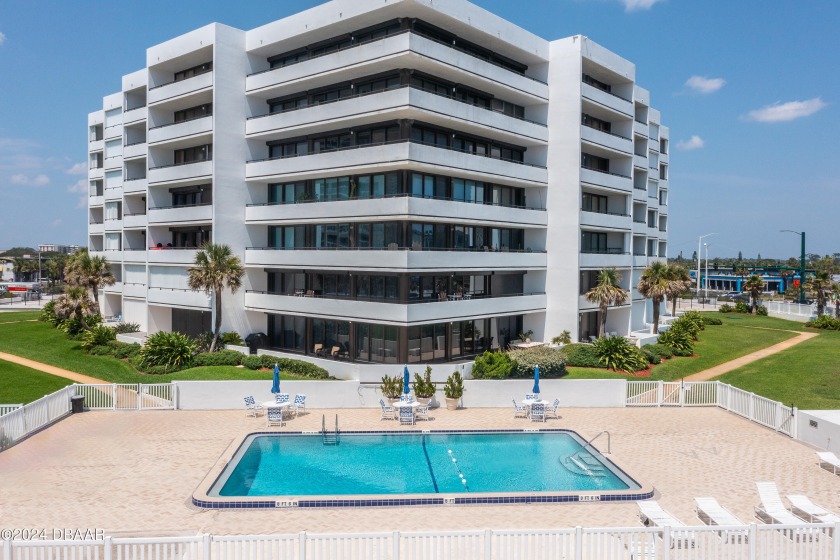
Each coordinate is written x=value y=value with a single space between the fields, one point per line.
x=405 y=103
x=182 y=88
x=653 y=231
x=610 y=180
x=171 y=255
x=139 y=185
x=397 y=208
x=134 y=290
x=136 y=150
x=640 y=128
x=115 y=288
x=131 y=221
x=639 y=228
x=134 y=255
x=640 y=162
x=181 y=130
x=395 y=313
x=113 y=193
x=96 y=145
x=95 y=228
x=113 y=132
x=96 y=173
x=394 y=260
x=113 y=256
x=640 y=261
x=606 y=140
x=606 y=220
x=181 y=214
x=607 y=99
x=113 y=225
x=178 y=173
x=114 y=162
x=405 y=50
x=614 y=257
x=96 y=200
x=176 y=297
x=137 y=114
x=585 y=304
x=393 y=156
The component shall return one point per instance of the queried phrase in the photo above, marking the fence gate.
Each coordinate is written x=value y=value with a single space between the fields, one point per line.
x=125 y=396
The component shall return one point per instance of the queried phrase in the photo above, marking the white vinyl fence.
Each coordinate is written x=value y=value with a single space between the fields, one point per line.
x=127 y=396
x=796 y=311
x=743 y=542
x=760 y=410
x=24 y=420
x=7 y=408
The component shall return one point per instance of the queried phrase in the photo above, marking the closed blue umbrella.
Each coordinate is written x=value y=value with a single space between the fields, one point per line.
x=406 y=387
x=536 y=380
x=275 y=387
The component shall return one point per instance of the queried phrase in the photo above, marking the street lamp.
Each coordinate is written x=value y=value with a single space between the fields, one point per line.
x=801 y=264
x=699 y=256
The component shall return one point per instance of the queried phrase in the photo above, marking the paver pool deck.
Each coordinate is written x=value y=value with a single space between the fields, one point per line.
x=132 y=473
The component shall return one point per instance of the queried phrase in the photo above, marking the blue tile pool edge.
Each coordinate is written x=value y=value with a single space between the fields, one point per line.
x=206 y=502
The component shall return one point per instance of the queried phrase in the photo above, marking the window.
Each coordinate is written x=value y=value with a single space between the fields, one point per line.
x=292 y=148
x=597 y=124
x=194 y=113
x=593 y=242
x=594 y=203
x=663 y=145
x=427 y=343
x=587 y=79
x=283 y=105
x=377 y=343
x=192 y=196
x=595 y=163
x=194 y=71
x=663 y=171
x=286 y=332
x=192 y=237
x=194 y=154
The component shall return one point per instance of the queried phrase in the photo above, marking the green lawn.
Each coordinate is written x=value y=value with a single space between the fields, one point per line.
x=40 y=342
x=717 y=344
x=19 y=384
x=17 y=316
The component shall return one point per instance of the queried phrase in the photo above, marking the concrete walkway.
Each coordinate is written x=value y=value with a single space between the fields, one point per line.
x=52 y=370
x=726 y=367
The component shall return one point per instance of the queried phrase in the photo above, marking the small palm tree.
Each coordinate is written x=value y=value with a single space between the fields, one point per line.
x=605 y=293
x=653 y=285
x=679 y=281
x=76 y=302
x=216 y=268
x=754 y=285
x=91 y=272
x=835 y=298
x=820 y=284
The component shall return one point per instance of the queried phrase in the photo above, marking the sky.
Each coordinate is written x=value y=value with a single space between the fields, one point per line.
x=749 y=90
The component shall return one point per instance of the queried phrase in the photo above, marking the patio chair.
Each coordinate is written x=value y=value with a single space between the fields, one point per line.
x=336 y=350
x=281 y=398
x=551 y=410
x=406 y=398
x=388 y=412
x=519 y=410
x=299 y=404
x=406 y=415
x=421 y=412
x=771 y=509
x=710 y=512
x=274 y=415
x=803 y=507
x=251 y=406
x=829 y=461
x=531 y=397
x=537 y=413
x=651 y=514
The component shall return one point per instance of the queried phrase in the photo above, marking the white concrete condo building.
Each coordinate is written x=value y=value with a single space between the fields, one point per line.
x=405 y=181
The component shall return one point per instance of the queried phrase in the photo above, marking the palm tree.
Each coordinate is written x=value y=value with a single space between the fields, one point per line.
x=76 y=302
x=605 y=293
x=679 y=281
x=835 y=297
x=754 y=285
x=653 y=285
x=820 y=284
x=90 y=272
x=216 y=268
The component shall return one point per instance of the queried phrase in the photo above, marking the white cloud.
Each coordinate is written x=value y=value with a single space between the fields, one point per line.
x=77 y=169
x=633 y=5
x=2 y=38
x=56 y=223
x=693 y=143
x=40 y=180
x=702 y=84
x=19 y=179
x=80 y=186
x=782 y=112
x=37 y=181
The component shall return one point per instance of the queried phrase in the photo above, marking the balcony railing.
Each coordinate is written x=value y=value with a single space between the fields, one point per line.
x=127 y=144
x=401 y=195
x=184 y=80
x=413 y=32
x=608 y=92
x=136 y=178
x=181 y=206
x=441 y=296
x=396 y=247
x=606 y=213
x=181 y=122
x=367 y=93
x=608 y=251
x=602 y=171
x=605 y=132
x=181 y=163
x=400 y=141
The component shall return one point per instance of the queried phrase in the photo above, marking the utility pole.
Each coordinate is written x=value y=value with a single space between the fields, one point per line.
x=801 y=264
x=700 y=256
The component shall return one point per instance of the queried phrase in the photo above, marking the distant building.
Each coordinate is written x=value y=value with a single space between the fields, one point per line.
x=6 y=271
x=776 y=279
x=66 y=249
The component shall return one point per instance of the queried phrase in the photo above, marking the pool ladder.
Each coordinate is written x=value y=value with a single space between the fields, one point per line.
x=331 y=437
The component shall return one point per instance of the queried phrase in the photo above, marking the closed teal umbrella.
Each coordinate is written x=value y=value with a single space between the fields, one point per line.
x=406 y=387
x=275 y=387
x=536 y=380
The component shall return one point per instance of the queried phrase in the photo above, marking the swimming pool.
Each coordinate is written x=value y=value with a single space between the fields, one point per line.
x=425 y=467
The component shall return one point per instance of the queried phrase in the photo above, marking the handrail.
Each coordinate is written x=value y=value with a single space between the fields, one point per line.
x=609 y=442
x=398 y=248
x=210 y=71
x=399 y=195
x=181 y=206
x=397 y=301
x=606 y=213
x=182 y=163
x=604 y=172
x=181 y=122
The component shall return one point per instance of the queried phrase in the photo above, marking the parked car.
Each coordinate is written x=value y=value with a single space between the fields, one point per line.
x=735 y=296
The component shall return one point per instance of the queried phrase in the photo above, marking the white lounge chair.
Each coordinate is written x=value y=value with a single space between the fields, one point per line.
x=829 y=461
x=772 y=510
x=299 y=404
x=710 y=512
x=652 y=514
x=537 y=413
x=551 y=410
x=519 y=410
x=388 y=412
x=406 y=415
x=274 y=415
x=421 y=412
x=809 y=511
x=251 y=406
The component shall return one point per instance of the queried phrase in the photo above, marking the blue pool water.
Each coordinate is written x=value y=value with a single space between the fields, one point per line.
x=301 y=465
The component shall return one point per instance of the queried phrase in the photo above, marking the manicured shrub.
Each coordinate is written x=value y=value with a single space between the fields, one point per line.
x=123 y=328
x=709 y=320
x=100 y=335
x=679 y=340
x=616 y=353
x=161 y=370
x=295 y=367
x=100 y=350
x=125 y=350
x=252 y=362
x=726 y=308
x=655 y=353
x=48 y=314
x=691 y=328
x=826 y=322
x=231 y=338
x=203 y=342
x=552 y=362
x=694 y=317
x=72 y=326
x=220 y=358
x=741 y=307
x=665 y=351
x=172 y=350
x=492 y=365
x=761 y=311
x=581 y=355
